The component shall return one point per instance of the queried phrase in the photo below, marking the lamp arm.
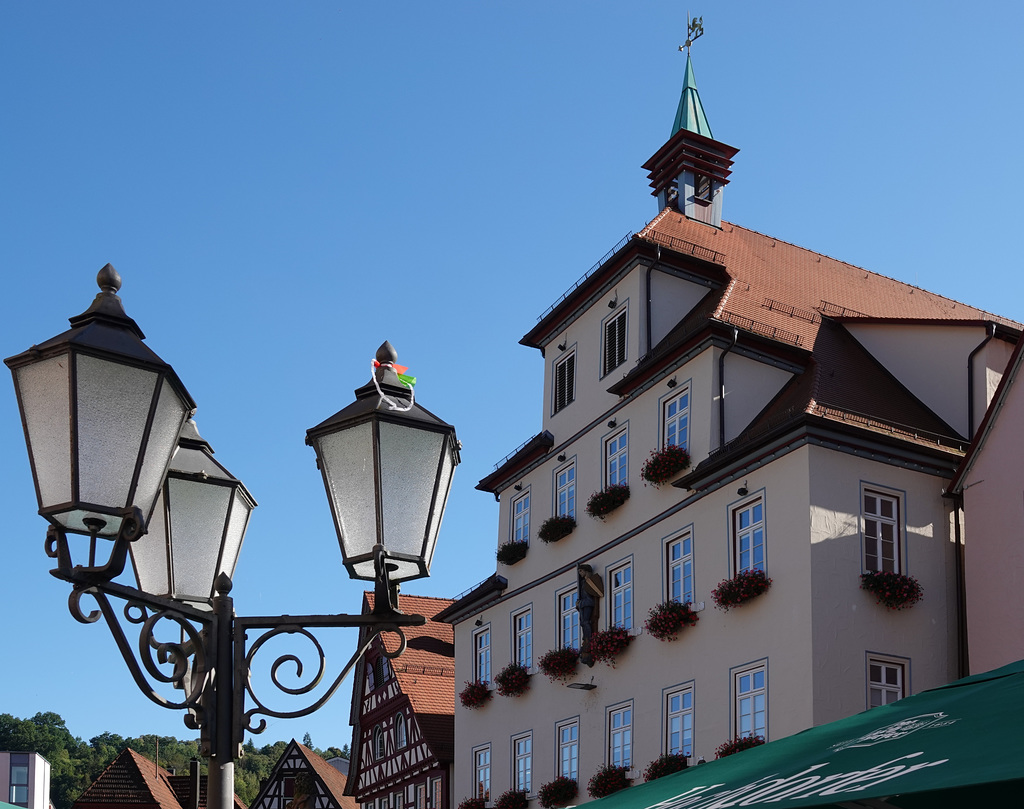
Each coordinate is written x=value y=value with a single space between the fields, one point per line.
x=187 y=659
x=302 y=625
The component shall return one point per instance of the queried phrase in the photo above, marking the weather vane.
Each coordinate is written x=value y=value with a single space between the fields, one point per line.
x=694 y=31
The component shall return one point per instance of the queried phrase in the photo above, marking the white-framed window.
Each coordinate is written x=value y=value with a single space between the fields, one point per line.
x=620 y=735
x=748 y=536
x=679 y=721
x=675 y=420
x=421 y=796
x=401 y=735
x=620 y=601
x=614 y=353
x=568 y=619
x=398 y=800
x=482 y=772
x=522 y=637
x=436 y=795
x=881 y=516
x=568 y=763
x=379 y=746
x=679 y=569
x=482 y=654
x=565 y=381
x=886 y=681
x=616 y=459
x=750 y=688
x=565 y=490
x=521 y=518
x=522 y=763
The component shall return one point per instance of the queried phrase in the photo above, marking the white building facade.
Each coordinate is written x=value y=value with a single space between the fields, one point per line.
x=25 y=780
x=824 y=409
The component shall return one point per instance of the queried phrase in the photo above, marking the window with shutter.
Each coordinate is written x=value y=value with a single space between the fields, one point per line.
x=614 y=341
x=565 y=381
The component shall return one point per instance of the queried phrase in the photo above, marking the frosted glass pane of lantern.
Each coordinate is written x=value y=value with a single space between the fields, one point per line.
x=45 y=389
x=405 y=570
x=444 y=485
x=198 y=511
x=347 y=459
x=364 y=570
x=408 y=470
x=171 y=414
x=75 y=521
x=149 y=555
x=237 y=523
x=114 y=401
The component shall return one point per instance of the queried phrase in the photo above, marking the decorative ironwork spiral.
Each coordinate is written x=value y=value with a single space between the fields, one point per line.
x=186 y=658
x=249 y=722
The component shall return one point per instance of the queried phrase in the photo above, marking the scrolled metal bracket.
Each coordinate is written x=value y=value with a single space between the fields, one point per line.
x=211 y=660
x=187 y=658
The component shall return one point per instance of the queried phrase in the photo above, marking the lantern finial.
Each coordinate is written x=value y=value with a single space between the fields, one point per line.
x=386 y=353
x=108 y=279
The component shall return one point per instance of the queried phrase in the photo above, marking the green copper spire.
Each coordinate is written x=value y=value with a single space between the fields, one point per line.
x=690 y=114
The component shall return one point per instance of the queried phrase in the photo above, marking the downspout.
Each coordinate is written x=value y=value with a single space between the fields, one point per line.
x=962 y=658
x=721 y=386
x=650 y=271
x=970 y=380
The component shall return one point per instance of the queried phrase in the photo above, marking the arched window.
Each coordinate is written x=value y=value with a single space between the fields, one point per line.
x=378 y=743
x=401 y=739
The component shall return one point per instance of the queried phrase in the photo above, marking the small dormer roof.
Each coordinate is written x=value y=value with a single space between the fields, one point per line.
x=690 y=113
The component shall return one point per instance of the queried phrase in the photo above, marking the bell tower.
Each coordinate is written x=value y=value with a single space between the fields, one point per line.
x=691 y=170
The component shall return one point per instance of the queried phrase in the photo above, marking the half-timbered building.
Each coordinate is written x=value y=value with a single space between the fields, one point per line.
x=303 y=780
x=403 y=717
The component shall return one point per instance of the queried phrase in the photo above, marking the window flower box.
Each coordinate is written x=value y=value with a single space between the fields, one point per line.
x=474 y=695
x=894 y=590
x=604 y=502
x=511 y=799
x=608 y=644
x=607 y=780
x=556 y=528
x=472 y=803
x=511 y=552
x=559 y=664
x=740 y=589
x=559 y=792
x=512 y=681
x=664 y=464
x=665 y=765
x=737 y=745
x=666 y=620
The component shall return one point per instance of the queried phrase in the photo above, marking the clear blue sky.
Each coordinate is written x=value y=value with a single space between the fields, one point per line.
x=285 y=185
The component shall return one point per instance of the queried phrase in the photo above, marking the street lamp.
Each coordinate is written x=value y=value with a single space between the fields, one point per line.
x=115 y=456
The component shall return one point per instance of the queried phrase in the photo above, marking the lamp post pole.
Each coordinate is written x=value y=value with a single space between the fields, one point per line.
x=116 y=459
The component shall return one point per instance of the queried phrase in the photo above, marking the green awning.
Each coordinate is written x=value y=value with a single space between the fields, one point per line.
x=958 y=745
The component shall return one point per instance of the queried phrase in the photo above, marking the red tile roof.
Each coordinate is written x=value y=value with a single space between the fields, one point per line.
x=426 y=669
x=790 y=303
x=333 y=779
x=132 y=779
x=779 y=285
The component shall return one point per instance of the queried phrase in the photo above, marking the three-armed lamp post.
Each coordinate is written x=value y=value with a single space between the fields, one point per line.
x=117 y=460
